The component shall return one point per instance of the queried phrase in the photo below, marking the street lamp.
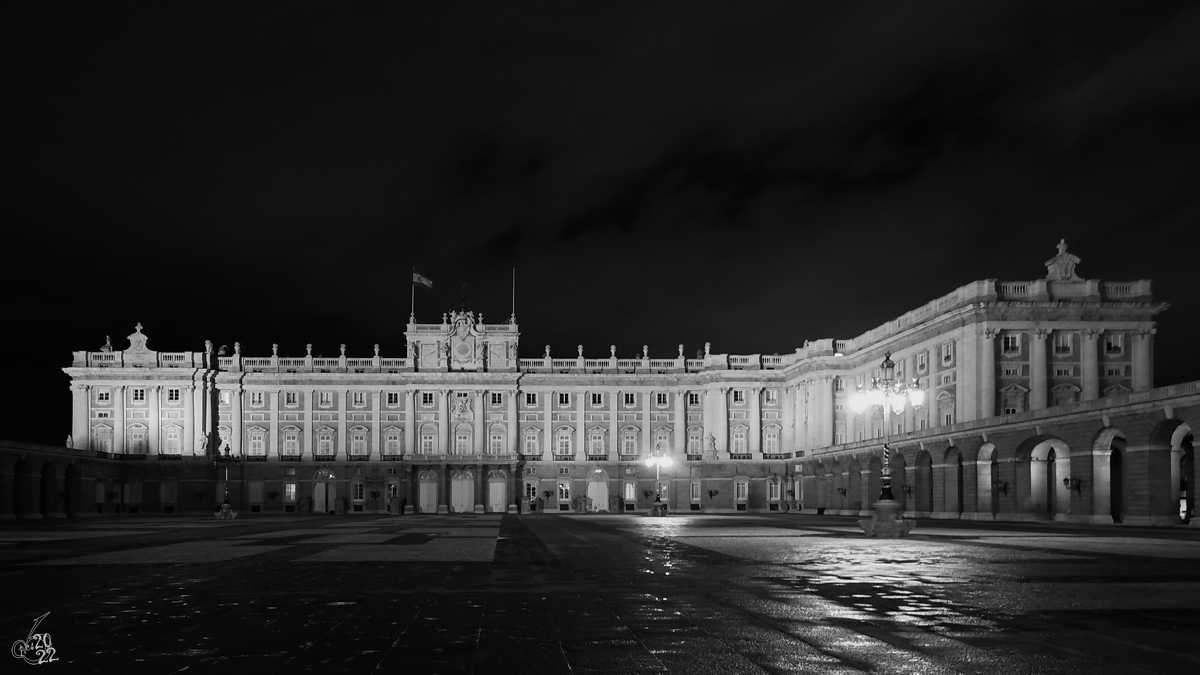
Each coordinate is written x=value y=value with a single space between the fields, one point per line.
x=225 y=460
x=892 y=395
x=658 y=461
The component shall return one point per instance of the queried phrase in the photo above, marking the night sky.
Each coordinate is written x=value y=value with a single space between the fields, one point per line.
x=748 y=174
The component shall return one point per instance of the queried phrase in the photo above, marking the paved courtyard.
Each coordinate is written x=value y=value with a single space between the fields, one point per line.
x=606 y=594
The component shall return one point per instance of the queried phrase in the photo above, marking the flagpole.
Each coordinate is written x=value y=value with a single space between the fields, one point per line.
x=514 y=296
x=412 y=304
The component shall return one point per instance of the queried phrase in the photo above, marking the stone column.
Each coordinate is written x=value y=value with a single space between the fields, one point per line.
x=580 y=433
x=188 y=444
x=1089 y=364
x=80 y=435
x=153 y=444
x=614 y=429
x=342 y=443
x=273 y=425
x=373 y=450
x=967 y=401
x=444 y=428
x=235 y=418
x=514 y=437
x=480 y=427
x=118 y=394
x=789 y=420
x=680 y=430
x=1143 y=359
x=309 y=444
x=647 y=441
x=987 y=374
x=706 y=406
x=1037 y=369
x=755 y=445
x=721 y=409
x=825 y=411
x=201 y=429
x=548 y=424
x=480 y=473
x=410 y=423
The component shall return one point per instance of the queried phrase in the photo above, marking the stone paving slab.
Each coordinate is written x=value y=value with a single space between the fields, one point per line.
x=187 y=552
x=283 y=534
x=685 y=531
x=490 y=532
x=349 y=539
x=1158 y=548
x=65 y=535
x=464 y=550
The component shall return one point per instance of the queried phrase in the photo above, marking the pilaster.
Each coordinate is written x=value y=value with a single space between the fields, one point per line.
x=410 y=424
x=1037 y=369
x=153 y=440
x=1089 y=359
x=119 y=424
x=755 y=396
x=987 y=374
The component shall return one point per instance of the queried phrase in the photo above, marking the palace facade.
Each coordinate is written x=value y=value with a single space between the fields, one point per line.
x=461 y=423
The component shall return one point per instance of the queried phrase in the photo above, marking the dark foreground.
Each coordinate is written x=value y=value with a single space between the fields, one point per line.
x=607 y=594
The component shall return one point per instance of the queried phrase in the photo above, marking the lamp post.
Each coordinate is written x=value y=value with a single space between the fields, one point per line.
x=225 y=460
x=892 y=395
x=658 y=460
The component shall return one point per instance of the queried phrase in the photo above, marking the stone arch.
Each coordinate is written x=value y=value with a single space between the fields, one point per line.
x=819 y=497
x=1164 y=457
x=854 y=499
x=49 y=490
x=1042 y=462
x=952 y=482
x=900 y=480
x=72 y=489
x=987 y=480
x=874 y=469
x=1109 y=485
x=923 y=488
x=837 y=488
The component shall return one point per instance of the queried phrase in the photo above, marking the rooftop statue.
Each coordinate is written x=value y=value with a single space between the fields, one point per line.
x=1062 y=266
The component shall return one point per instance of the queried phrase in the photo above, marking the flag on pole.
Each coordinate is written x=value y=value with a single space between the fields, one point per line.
x=418 y=279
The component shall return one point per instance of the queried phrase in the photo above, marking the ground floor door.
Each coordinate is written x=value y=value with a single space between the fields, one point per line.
x=462 y=491
x=428 y=498
x=324 y=497
x=497 y=502
x=597 y=494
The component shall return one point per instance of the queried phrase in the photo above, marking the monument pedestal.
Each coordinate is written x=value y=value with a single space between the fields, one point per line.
x=887 y=521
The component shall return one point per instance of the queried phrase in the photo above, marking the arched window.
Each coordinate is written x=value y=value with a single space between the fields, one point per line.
x=562 y=441
x=771 y=440
x=596 y=442
x=393 y=441
x=258 y=441
x=738 y=444
x=358 y=441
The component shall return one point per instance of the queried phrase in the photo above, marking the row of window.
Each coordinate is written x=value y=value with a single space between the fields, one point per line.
x=741 y=490
x=137 y=394
x=1063 y=343
x=1063 y=371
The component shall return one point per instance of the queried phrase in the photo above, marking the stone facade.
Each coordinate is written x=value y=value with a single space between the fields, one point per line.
x=461 y=423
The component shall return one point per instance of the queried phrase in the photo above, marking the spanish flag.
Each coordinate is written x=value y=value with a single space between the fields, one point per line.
x=418 y=279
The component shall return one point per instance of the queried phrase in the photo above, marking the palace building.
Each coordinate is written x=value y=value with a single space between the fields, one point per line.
x=462 y=424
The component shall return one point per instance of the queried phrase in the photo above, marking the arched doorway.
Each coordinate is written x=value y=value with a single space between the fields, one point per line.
x=873 y=487
x=1187 y=472
x=22 y=489
x=1167 y=484
x=49 y=490
x=1042 y=464
x=462 y=491
x=497 y=495
x=855 y=487
x=324 y=492
x=597 y=490
x=923 y=491
x=427 y=491
x=71 y=488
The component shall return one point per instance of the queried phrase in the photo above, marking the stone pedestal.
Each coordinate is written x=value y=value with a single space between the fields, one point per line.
x=658 y=510
x=226 y=512
x=887 y=521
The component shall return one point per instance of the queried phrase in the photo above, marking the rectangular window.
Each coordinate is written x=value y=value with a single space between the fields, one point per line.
x=225 y=397
x=137 y=441
x=462 y=444
x=564 y=492
x=359 y=399
x=393 y=398
x=291 y=443
x=660 y=399
x=358 y=443
x=695 y=492
x=1062 y=343
x=630 y=399
x=1061 y=371
x=772 y=396
x=596 y=443
x=1012 y=371
x=139 y=395
x=948 y=418
x=630 y=492
x=256 y=398
x=840 y=438
x=174 y=441
x=740 y=490
x=325 y=444
x=773 y=489
x=922 y=362
x=531 y=444
x=496 y=444
x=427 y=398
x=947 y=378
x=1114 y=344
x=462 y=395
x=1114 y=372
x=173 y=395
x=564 y=399
x=948 y=352
x=102 y=394
x=739 y=396
x=597 y=399
x=391 y=442
x=258 y=444
x=694 y=446
x=497 y=398
x=739 y=442
x=839 y=384
x=922 y=423
x=629 y=443
x=289 y=492
x=356 y=491
x=325 y=399
x=1011 y=344
x=530 y=399
x=289 y=399
x=426 y=444
x=693 y=398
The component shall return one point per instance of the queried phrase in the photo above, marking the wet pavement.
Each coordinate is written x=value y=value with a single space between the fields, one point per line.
x=599 y=594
